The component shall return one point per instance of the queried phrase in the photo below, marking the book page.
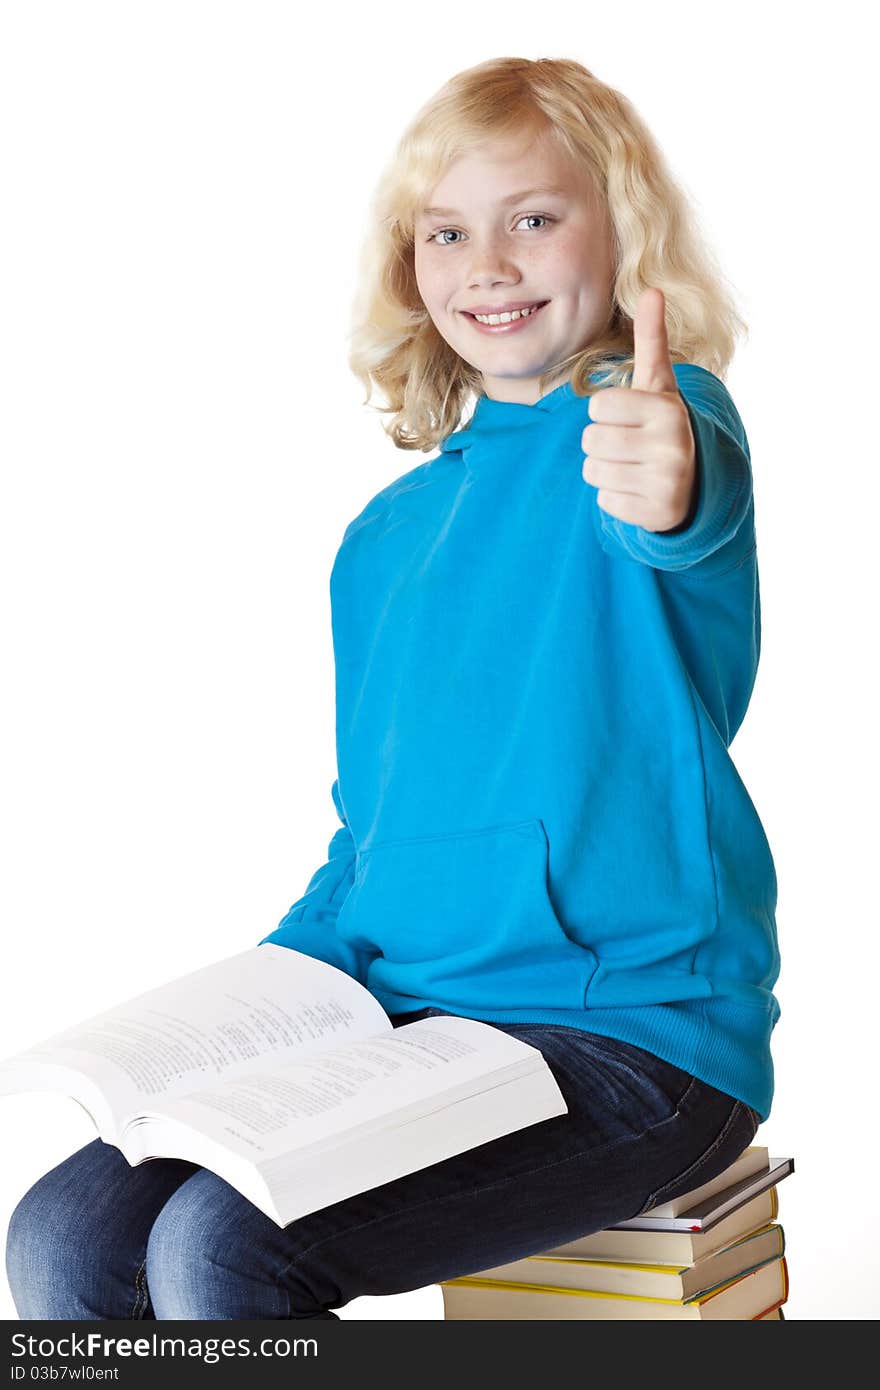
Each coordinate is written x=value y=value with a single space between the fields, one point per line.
x=306 y=1103
x=268 y=1003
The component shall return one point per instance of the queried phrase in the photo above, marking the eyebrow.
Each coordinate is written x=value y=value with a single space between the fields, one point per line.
x=505 y=202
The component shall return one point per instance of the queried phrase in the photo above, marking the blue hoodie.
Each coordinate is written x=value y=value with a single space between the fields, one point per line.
x=541 y=820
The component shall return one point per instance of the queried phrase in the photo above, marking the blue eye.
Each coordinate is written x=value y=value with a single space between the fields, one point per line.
x=528 y=216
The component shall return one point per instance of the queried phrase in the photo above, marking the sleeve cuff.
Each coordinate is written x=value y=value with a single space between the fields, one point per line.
x=724 y=483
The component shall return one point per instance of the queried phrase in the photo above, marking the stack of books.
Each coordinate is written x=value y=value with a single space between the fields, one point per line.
x=714 y=1253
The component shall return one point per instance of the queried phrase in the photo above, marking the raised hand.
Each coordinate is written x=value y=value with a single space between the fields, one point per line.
x=640 y=446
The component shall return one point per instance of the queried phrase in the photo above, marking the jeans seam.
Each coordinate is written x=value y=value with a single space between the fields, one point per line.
x=656 y=1197
x=500 y=1183
x=139 y=1291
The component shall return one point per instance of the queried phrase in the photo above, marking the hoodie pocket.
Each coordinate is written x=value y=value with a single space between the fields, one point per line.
x=466 y=918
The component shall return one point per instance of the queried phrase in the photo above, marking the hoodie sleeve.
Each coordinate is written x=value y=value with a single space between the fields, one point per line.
x=310 y=924
x=719 y=532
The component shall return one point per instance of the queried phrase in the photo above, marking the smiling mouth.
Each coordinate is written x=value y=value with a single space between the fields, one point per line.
x=533 y=310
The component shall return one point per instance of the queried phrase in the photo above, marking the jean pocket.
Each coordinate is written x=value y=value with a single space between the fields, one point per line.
x=736 y=1134
x=466 y=917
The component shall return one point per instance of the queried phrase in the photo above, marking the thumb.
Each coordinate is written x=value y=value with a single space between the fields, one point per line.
x=652 y=365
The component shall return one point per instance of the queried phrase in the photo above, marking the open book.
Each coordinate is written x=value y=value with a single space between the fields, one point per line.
x=285 y=1077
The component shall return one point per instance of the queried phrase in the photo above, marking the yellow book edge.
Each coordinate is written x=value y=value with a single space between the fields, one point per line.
x=470 y=1282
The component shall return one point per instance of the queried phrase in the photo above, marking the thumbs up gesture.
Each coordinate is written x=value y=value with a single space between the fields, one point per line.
x=640 y=446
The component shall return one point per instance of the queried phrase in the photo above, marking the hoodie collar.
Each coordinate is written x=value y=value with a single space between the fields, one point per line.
x=491 y=417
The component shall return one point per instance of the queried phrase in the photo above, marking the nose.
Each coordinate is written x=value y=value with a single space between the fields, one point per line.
x=491 y=263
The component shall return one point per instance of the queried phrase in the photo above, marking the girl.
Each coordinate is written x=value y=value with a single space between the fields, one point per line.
x=546 y=637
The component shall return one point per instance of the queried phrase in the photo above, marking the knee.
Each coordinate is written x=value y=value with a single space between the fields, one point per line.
x=187 y=1253
x=22 y=1245
x=176 y=1245
x=50 y=1248
x=211 y=1254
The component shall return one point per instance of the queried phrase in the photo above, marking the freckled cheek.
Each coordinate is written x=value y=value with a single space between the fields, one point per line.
x=441 y=296
x=433 y=288
x=570 y=261
x=564 y=256
x=438 y=293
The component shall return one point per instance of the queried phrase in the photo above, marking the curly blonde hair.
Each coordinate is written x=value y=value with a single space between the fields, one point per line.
x=395 y=345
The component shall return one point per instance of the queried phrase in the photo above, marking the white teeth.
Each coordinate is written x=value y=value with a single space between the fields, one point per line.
x=507 y=318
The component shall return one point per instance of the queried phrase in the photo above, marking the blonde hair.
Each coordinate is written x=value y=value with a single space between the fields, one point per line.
x=395 y=345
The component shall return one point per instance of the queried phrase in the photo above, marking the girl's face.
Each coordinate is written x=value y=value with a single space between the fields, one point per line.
x=490 y=242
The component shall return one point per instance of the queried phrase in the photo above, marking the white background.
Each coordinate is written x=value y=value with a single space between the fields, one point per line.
x=185 y=187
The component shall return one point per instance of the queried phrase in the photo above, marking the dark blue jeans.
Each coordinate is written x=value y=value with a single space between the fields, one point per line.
x=97 y=1239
